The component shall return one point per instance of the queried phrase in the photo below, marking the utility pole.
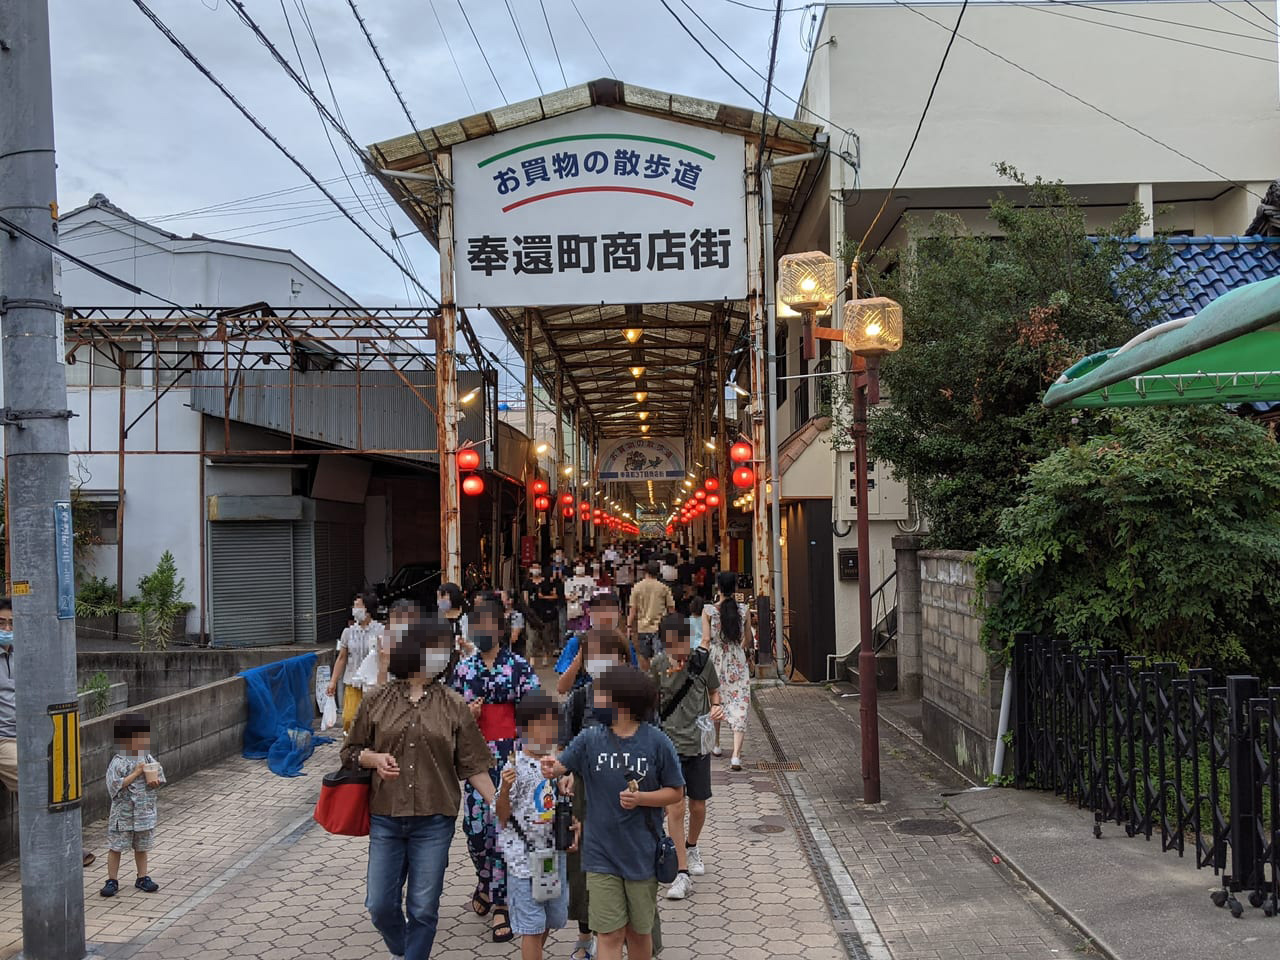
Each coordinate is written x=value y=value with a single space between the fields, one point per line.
x=35 y=436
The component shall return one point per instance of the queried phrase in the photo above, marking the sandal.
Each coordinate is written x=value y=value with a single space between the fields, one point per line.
x=480 y=903
x=502 y=932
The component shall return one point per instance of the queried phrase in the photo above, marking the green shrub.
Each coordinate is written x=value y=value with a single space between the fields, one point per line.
x=158 y=603
x=96 y=598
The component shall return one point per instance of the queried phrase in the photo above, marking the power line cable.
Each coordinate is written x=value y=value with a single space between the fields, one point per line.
x=1040 y=8
x=452 y=56
x=1262 y=13
x=586 y=26
x=523 y=46
x=1112 y=11
x=768 y=88
x=1240 y=16
x=1080 y=100
x=484 y=55
x=261 y=128
x=552 y=35
x=937 y=77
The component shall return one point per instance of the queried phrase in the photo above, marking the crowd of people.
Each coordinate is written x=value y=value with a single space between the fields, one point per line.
x=577 y=805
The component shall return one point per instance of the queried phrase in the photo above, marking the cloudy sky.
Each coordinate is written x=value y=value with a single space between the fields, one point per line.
x=138 y=123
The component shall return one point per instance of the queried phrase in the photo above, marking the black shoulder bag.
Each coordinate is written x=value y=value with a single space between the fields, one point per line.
x=665 y=865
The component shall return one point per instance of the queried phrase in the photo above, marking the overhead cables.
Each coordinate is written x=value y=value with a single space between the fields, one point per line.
x=554 y=49
x=452 y=56
x=768 y=87
x=586 y=26
x=523 y=46
x=484 y=55
x=1041 y=8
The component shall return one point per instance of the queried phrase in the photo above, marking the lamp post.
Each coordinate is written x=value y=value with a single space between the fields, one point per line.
x=872 y=328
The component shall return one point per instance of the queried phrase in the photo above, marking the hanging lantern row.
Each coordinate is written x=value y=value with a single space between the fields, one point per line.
x=469 y=459
x=741 y=452
x=712 y=484
x=472 y=485
x=744 y=477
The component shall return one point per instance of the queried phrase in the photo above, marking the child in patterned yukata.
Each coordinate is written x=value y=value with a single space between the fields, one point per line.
x=133 y=781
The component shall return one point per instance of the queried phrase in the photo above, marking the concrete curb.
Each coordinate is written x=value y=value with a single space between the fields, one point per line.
x=914 y=735
x=1066 y=913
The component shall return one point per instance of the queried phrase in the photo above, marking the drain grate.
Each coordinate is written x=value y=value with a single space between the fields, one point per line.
x=767 y=828
x=787 y=766
x=926 y=828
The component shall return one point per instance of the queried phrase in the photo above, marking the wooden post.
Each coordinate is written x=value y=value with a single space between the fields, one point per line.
x=759 y=354
x=531 y=458
x=447 y=387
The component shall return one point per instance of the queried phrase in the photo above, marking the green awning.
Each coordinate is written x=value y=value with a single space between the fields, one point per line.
x=1228 y=353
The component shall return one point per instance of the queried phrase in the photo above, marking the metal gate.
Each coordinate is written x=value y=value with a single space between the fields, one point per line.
x=1155 y=748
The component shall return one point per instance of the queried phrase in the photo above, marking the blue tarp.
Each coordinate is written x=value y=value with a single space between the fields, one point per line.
x=282 y=710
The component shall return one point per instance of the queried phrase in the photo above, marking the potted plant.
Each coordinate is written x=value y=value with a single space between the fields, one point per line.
x=161 y=611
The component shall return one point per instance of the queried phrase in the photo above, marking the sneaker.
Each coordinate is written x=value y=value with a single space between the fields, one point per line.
x=583 y=950
x=110 y=888
x=716 y=751
x=696 y=867
x=146 y=885
x=681 y=887
x=735 y=763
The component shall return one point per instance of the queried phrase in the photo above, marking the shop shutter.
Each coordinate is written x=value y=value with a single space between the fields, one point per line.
x=339 y=574
x=251 y=583
x=304 y=582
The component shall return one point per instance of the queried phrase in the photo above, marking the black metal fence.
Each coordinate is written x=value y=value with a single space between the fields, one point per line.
x=1159 y=750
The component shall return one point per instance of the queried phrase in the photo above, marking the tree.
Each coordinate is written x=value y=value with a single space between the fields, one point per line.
x=990 y=322
x=1160 y=537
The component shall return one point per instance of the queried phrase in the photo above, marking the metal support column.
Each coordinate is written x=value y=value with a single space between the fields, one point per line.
x=531 y=458
x=36 y=444
x=447 y=386
x=868 y=711
x=723 y=472
x=759 y=352
x=558 y=470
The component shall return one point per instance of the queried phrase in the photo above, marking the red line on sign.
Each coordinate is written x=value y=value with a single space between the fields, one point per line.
x=561 y=193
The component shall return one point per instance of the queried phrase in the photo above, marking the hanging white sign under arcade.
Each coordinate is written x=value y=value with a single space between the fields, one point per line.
x=645 y=458
x=600 y=206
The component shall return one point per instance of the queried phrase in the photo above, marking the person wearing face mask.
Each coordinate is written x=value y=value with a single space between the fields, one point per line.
x=543 y=596
x=578 y=592
x=605 y=617
x=449 y=604
x=420 y=739
x=492 y=681
x=364 y=634
x=378 y=661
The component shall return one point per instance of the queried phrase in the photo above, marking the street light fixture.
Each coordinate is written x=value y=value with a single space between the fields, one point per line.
x=632 y=334
x=469 y=395
x=542 y=448
x=872 y=328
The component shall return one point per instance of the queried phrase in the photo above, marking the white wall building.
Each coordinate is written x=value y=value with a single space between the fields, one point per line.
x=1174 y=105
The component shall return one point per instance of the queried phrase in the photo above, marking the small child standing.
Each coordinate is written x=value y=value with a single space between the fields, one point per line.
x=526 y=807
x=133 y=779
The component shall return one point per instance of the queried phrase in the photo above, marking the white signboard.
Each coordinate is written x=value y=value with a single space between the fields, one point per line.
x=600 y=206
x=641 y=459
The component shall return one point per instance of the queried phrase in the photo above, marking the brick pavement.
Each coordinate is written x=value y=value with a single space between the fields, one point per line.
x=930 y=896
x=246 y=875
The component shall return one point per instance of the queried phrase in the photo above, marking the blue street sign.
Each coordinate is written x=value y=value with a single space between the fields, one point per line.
x=64 y=551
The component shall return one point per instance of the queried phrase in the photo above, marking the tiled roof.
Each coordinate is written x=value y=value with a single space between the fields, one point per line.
x=1208 y=267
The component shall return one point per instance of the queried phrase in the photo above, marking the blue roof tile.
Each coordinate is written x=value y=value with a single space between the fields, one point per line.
x=1207 y=267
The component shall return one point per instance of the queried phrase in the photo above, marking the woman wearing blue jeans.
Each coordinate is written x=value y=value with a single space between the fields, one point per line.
x=420 y=739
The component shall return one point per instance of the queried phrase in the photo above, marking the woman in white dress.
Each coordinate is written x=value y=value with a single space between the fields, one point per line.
x=726 y=631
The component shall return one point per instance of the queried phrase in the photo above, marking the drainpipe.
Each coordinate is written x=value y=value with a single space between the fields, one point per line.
x=771 y=321
x=1006 y=702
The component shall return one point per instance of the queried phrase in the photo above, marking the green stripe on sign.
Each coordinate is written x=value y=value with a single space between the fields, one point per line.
x=596 y=136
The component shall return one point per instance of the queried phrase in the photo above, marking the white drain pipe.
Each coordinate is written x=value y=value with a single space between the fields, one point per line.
x=1006 y=702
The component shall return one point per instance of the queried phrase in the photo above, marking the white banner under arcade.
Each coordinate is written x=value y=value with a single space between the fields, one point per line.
x=600 y=206
x=641 y=459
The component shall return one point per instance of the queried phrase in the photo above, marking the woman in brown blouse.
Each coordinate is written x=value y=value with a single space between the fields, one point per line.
x=420 y=739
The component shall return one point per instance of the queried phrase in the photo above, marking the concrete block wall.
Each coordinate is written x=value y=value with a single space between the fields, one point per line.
x=189 y=731
x=960 y=689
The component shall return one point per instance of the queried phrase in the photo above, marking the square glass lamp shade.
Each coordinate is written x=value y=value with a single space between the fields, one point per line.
x=872 y=326
x=807 y=281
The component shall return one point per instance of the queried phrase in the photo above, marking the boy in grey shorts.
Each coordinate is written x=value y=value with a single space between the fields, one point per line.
x=133 y=781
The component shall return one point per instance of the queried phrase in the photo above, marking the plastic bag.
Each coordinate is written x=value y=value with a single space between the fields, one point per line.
x=328 y=713
x=708 y=731
x=323 y=673
x=366 y=676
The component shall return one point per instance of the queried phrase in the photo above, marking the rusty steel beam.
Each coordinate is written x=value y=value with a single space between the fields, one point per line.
x=447 y=393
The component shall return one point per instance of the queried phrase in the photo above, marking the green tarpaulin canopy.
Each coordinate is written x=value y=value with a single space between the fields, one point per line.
x=1228 y=353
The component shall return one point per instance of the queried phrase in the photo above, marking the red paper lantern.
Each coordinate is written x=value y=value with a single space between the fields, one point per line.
x=712 y=483
x=473 y=485
x=702 y=508
x=584 y=507
x=740 y=452
x=700 y=495
x=713 y=500
x=539 y=486
x=744 y=477
x=468 y=459
x=542 y=503
x=568 y=513
x=566 y=499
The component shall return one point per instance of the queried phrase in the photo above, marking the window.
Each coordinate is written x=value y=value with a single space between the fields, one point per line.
x=101 y=522
x=100 y=364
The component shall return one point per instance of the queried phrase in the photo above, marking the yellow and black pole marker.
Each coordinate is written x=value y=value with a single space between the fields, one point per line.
x=64 y=756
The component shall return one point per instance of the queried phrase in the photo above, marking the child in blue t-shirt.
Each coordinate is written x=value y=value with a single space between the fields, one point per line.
x=631 y=774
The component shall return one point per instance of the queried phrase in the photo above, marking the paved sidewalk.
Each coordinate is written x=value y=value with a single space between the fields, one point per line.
x=245 y=874
x=916 y=883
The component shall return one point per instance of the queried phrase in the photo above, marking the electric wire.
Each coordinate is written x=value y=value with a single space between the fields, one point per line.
x=768 y=89
x=552 y=35
x=937 y=77
x=1040 y=8
x=1239 y=16
x=484 y=55
x=1083 y=102
x=523 y=46
x=262 y=128
x=586 y=26
x=1111 y=11
x=452 y=56
x=1262 y=13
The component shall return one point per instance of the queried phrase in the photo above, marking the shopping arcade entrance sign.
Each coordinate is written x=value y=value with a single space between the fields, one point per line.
x=600 y=206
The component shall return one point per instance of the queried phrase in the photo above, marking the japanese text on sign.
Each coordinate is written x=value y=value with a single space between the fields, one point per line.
x=705 y=249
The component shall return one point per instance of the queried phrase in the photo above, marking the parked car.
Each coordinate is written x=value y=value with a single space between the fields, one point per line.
x=413 y=581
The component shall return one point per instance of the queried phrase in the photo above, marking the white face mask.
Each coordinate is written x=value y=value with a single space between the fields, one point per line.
x=358 y=614
x=435 y=661
x=580 y=570
x=444 y=604
x=535 y=572
x=597 y=667
x=399 y=629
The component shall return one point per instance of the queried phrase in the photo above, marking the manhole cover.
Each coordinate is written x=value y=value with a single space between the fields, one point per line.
x=767 y=828
x=926 y=828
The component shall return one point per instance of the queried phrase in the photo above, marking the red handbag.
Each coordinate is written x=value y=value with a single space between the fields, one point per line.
x=343 y=807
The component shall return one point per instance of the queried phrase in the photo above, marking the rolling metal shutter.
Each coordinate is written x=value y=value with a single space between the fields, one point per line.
x=339 y=573
x=304 y=582
x=251 y=583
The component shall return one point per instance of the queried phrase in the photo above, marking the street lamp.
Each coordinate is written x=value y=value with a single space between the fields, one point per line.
x=872 y=328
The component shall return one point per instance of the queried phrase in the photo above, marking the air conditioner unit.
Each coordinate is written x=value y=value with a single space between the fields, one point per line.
x=886 y=497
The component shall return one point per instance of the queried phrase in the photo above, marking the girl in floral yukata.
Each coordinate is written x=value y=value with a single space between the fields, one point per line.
x=492 y=681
